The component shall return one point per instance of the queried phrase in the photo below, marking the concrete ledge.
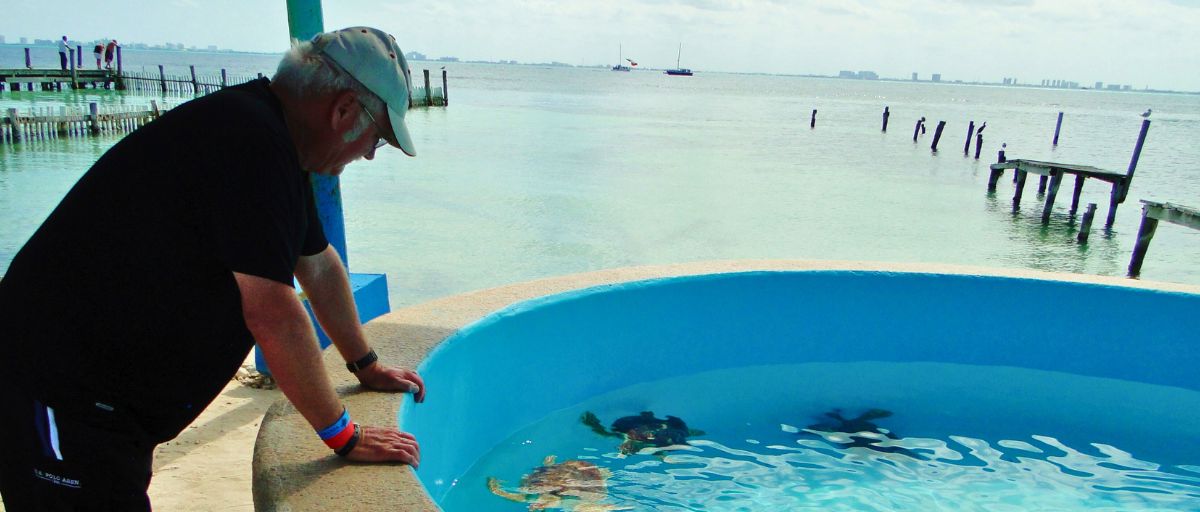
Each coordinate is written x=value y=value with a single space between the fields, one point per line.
x=293 y=471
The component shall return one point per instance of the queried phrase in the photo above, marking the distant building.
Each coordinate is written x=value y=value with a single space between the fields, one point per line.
x=1113 y=87
x=868 y=75
x=847 y=74
x=2 y=40
x=1126 y=87
x=1099 y=85
x=936 y=77
x=44 y=41
x=24 y=40
x=914 y=76
x=212 y=47
x=415 y=56
x=447 y=59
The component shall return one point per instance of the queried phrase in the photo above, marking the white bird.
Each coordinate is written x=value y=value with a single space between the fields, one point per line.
x=1146 y=113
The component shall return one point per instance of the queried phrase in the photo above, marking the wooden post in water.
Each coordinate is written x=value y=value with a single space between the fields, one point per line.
x=937 y=135
x=162 y=79
x=1145 y=234
x=1085 y=227
x=1079 y=179
x=428 y=90
x=154 y=112
x=445 y=90
x=978 y=143
x=120 y=73
x=917 y=128
x=408 y=80
x=1020 y=189
x=74 y=73
x=970 y=133
x=1057 y=128
x=1041 y=185
x=812 y=123
x=886 y=115
x=995 y=176
x=1055 y=180
x=223 y=79
x=94 y=111
x=28 y=63
x=1137 y=153
x=195 y=86
x=16 y=125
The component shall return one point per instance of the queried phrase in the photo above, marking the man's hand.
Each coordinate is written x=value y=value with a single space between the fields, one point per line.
x=384 y=444
x=384 y=378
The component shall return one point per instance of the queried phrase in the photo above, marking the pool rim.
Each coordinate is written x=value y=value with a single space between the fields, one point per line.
x=293 y=471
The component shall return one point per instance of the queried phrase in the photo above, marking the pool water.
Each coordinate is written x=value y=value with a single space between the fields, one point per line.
x=967 y=437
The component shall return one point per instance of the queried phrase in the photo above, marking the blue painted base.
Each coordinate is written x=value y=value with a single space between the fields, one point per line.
x=371 y=297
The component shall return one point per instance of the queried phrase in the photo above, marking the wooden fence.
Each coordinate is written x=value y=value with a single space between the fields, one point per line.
x=47 y=123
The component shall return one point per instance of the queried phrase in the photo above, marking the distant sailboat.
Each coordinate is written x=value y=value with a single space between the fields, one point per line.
x=620 y=61
x=678 y=71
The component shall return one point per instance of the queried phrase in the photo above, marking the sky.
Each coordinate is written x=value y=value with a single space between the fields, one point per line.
x=1143 y=43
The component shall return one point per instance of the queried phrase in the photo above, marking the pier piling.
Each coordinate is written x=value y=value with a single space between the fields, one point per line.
x=162 y=79
x=886 y=115
x=445 y=90
x=195 y=85
x=28 y=63
x=812 y=123
x=918 y=128
x=1057 y=128
x=937 y=135
x=970 y=133
x=1085 y=227
x=995 y=175
x=428 y=91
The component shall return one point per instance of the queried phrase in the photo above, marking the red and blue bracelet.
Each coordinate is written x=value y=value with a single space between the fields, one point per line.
x=342 y=435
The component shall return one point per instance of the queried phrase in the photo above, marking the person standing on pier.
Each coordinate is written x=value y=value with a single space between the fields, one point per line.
x=142 y=293
x=62 y=52
x=98 y=51
x=109 y=50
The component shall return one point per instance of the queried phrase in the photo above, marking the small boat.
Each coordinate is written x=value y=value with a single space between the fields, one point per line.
x=620 y=64
x=678 y=71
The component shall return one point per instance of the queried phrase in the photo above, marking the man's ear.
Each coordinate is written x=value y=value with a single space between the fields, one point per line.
x=343 y=111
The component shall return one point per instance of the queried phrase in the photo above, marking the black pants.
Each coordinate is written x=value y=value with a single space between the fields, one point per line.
x=55 y=460
x=62 y=59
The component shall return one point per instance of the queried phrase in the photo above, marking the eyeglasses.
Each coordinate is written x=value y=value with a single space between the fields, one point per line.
x=380 y=141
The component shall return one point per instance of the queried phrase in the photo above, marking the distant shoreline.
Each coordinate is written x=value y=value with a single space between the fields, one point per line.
x=656 y=70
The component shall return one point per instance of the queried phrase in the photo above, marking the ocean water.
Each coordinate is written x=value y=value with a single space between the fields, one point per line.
x=966 y=438
x=541 y=171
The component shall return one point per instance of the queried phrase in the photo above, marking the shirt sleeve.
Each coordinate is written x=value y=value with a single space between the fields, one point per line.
x=258 y=212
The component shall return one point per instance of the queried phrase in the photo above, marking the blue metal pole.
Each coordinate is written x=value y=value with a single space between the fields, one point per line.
x=305 y=21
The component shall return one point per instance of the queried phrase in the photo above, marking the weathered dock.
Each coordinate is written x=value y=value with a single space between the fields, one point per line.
x=1056 y=171
x=47 y=123
x=55 y=79
x=1152 y=212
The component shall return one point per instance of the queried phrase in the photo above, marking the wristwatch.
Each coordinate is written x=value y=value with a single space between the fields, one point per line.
x=364 y=362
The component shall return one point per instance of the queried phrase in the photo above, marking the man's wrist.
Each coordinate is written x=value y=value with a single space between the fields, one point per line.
x=363 y=362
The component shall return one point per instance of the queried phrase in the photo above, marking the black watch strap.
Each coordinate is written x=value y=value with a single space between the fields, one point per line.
x=364 y=362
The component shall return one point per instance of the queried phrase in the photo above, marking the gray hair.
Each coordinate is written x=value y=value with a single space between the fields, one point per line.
x=305 y=72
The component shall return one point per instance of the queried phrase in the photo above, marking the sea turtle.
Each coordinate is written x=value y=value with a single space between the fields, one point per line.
x=643 y=431
x=572 y=485
x=859 y=425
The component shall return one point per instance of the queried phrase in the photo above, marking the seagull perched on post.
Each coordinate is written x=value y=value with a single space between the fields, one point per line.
x=1146 y=113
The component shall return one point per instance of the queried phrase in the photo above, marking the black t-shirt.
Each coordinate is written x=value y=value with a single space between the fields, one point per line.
x=126 y=296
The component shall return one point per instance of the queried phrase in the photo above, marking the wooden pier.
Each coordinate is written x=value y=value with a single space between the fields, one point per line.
x=1152 y=212
x=1056 y=172
x=48 y=123
x=54 y=79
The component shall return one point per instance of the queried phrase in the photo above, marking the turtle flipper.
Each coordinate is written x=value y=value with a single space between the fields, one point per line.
x=494 y=486
x=593 y=422
x=874 y=414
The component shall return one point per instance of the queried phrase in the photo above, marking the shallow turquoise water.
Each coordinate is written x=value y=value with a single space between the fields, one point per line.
x=989 y=438
x=534 y=172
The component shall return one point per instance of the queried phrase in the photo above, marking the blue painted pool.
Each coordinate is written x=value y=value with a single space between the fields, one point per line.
x=1003 y=393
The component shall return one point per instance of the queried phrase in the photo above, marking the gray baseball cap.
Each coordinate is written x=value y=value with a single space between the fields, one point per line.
x=372 y=57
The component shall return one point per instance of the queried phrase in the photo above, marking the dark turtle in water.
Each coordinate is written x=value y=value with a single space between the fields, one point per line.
x=862 y=424
x=572 y=485
x=643 y=431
